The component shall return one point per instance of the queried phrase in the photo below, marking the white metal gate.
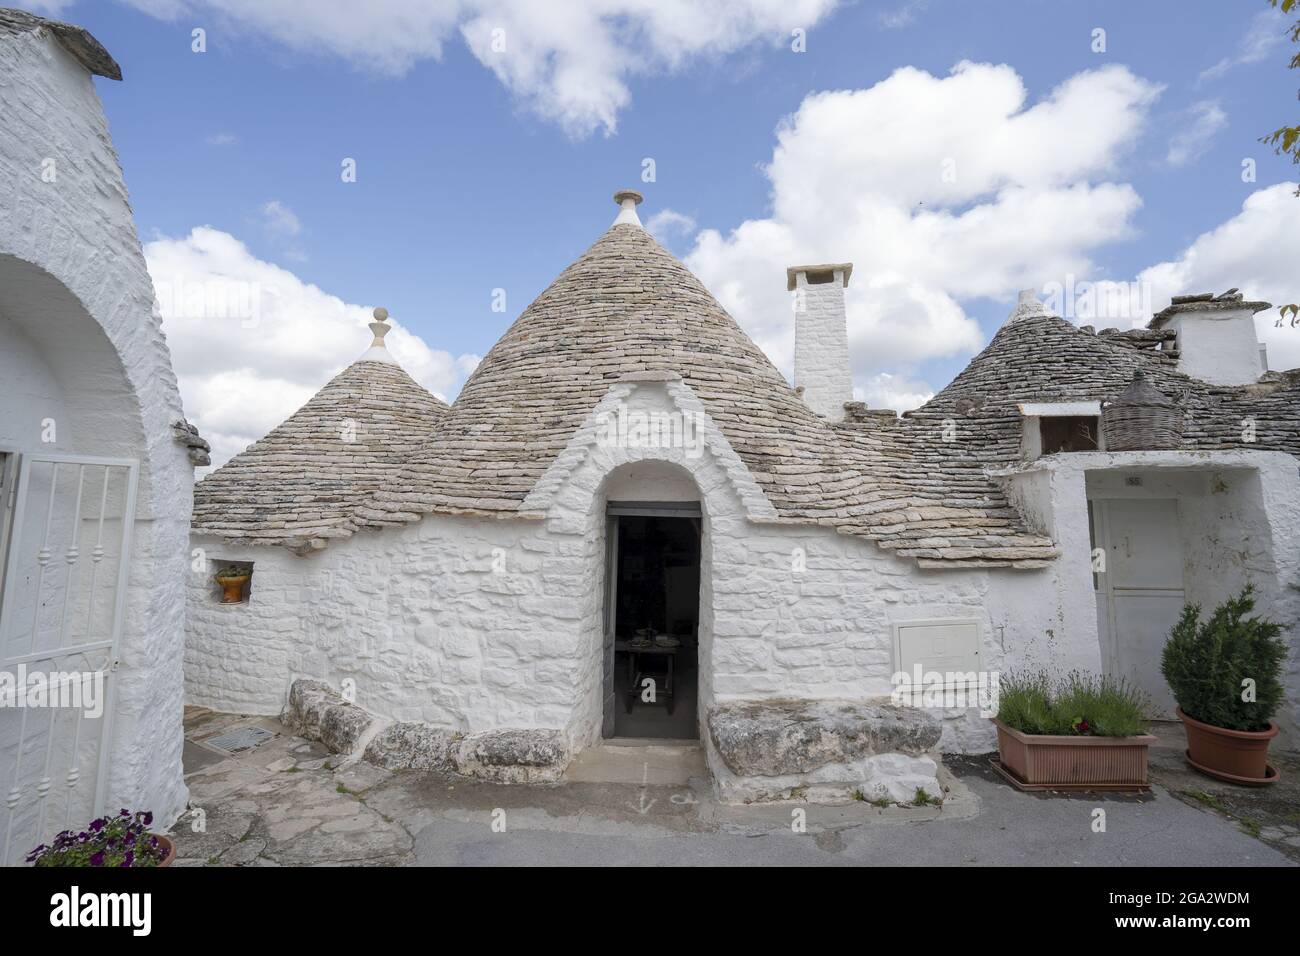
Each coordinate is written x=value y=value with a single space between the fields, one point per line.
x=62 y=604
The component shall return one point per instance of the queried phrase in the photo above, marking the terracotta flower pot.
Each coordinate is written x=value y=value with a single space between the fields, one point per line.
x=233 y=588
x=1065 y=762
x=169 y=849
x=1238 y=756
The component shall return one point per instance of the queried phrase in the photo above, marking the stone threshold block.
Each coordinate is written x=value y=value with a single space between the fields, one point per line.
x=317 y=711
x=828 y=751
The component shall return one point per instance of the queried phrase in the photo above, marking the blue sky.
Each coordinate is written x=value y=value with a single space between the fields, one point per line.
x=466 y=183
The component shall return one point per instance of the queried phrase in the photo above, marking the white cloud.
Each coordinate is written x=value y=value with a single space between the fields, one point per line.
x=280 y=219
x=1255 y=251
x=667 y=224
x=938 y=189
x=222 y=139
x=1264 y=35
x=251 y=342
x=903 y=16
x=569 y=62
x=1198 y=128
x=893 y=391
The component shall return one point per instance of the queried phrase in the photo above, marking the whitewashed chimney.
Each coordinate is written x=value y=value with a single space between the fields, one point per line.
x=1217 y=342
x=821 y=337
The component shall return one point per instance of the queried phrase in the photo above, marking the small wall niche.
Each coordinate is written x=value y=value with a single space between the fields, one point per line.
x=232 y=581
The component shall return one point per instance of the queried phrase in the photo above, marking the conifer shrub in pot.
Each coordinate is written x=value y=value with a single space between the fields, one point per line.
x=1076 y=732
x=1226 y=674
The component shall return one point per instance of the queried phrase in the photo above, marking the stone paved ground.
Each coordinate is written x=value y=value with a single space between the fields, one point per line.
x=1270 y=813
x=288 y=802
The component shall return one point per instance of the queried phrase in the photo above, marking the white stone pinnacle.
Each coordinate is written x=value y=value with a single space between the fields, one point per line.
x=378 y=352
x=628 y=200
x=1028 y=306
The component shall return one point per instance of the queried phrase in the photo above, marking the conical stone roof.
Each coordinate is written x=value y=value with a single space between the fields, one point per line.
x=1043 y=358
x=627 y=305
x=301 y=484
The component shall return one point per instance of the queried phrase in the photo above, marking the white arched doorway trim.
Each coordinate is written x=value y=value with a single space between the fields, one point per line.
x=651 y=421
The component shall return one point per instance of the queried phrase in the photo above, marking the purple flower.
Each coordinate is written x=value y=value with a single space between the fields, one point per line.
x=148 y=818
x=128 y=860
x=97 y=859
x=97 y=825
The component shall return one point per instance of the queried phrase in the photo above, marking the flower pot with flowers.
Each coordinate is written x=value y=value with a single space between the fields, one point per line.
x=119 y=841
x=1080 y=732
x=1226 y=674
x=232 y=579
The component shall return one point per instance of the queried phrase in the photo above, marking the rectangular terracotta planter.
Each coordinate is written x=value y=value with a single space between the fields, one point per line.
x=1048 y=760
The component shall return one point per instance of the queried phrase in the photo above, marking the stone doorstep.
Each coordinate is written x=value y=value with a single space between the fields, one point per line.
x=642 y=762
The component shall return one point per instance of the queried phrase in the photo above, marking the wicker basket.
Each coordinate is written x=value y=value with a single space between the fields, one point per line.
x=1142 y=418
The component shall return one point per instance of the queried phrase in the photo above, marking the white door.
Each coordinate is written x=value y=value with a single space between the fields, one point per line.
x=1140 y=592
x=61 y=610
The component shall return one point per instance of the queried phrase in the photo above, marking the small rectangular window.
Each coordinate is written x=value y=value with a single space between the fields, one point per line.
x=1068 y=433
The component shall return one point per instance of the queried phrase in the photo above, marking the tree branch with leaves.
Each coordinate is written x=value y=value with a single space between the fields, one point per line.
x=1285 y=140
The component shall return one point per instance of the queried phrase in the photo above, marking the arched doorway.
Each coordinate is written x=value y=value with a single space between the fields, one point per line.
x=654 y=549
x=71 y=448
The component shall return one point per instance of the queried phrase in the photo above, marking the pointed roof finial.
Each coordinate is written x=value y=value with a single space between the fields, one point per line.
x=1028 y=306
x=628 y=200
x=378 y=352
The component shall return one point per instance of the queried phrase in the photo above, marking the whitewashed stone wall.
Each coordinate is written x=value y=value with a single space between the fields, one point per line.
x=461 y=623
x=70 y=260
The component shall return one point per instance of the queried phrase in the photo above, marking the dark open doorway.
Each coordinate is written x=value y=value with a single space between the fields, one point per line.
x=652 y=622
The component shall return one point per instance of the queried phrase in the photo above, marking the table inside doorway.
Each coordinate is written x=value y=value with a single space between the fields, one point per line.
x=634 y=672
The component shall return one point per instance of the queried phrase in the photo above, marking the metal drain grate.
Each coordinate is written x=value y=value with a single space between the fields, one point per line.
x=237 y=741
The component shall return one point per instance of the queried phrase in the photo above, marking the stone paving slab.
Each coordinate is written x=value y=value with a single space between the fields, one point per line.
x=290 y=803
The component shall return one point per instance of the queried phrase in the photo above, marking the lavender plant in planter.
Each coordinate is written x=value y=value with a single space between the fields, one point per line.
x=1080 y=732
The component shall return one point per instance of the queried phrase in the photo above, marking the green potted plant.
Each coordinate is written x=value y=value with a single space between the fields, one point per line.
x=1079 y=732
x=1225 y=672
x=232 y=579
x=120 y=841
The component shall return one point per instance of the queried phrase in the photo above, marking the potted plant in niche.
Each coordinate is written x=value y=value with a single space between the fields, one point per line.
x=1080 y=732
x=1225 y=673
x=232 y=579
x=120 y=841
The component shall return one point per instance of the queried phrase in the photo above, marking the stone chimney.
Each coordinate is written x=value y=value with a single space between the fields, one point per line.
x=1216 y=337
x=821 y=337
